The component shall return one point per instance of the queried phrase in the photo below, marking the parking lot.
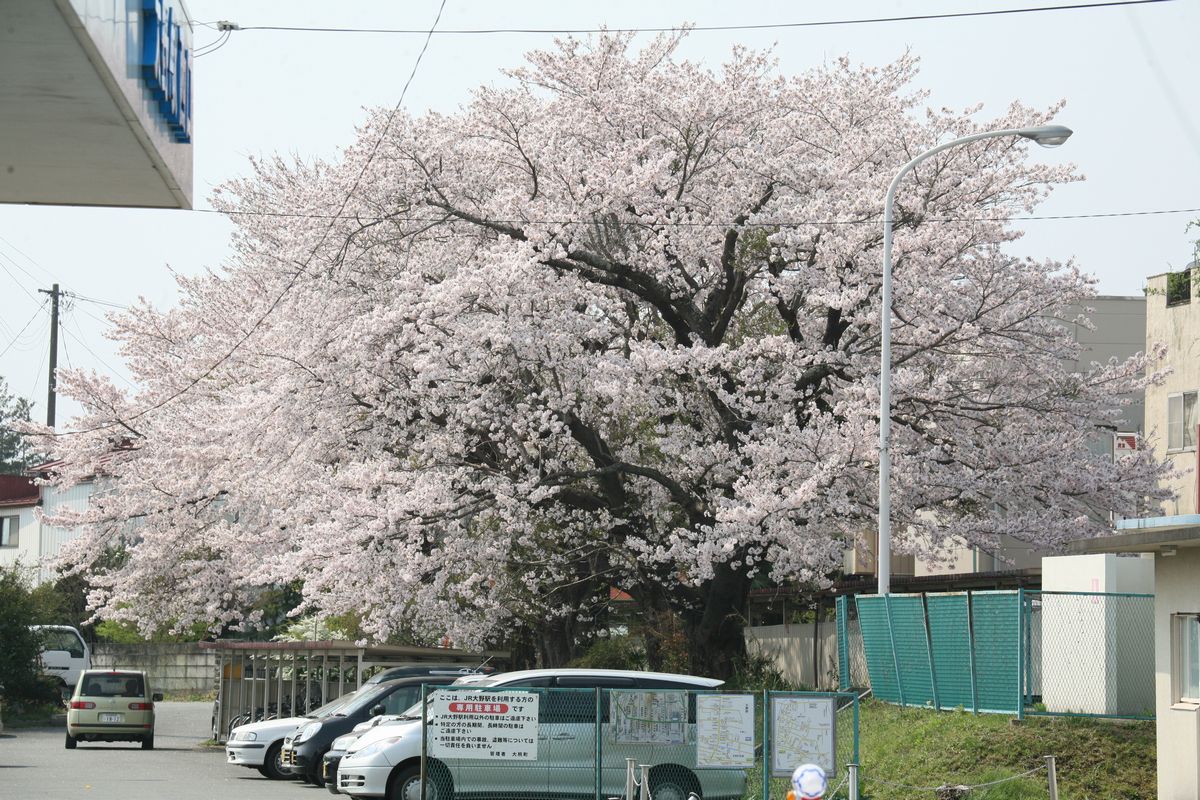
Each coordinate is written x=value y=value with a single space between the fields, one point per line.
x=34 y=764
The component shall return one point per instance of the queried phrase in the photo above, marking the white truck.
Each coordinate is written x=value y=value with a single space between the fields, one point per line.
x=65 y=655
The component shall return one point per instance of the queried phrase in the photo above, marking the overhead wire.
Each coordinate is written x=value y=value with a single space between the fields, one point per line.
x=221 y=41
x=24 y=327
x=703 y=28
x=29 y=258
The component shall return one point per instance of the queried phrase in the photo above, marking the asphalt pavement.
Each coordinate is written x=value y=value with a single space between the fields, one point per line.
x=34 y=764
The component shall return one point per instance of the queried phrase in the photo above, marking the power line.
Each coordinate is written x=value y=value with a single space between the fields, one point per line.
x=684 y=224
x=29 y=258
x=699 y=28
x=95 y=300
x=27 y=324
x=83 y=344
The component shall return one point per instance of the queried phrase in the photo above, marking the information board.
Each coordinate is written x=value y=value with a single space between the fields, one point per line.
x=648 y=717
x=489 y=725
x=724 y=730
x=803 y=731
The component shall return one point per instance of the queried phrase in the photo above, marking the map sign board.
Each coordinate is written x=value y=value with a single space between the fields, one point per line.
x=724 y=730
x=491 y=725
x=648 y=717
x=802 y=732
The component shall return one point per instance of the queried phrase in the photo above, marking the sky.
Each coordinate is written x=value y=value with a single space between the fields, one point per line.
x=1127 y=75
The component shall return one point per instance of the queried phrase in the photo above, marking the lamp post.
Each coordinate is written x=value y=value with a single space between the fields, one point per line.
x=1045 y=135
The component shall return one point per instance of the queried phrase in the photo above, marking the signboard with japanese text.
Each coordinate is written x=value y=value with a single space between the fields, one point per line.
x=492 y=725
x=802 y=732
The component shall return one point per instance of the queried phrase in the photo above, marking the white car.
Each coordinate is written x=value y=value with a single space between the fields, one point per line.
x=258 y=744
x=386 y=760
x=65 y=655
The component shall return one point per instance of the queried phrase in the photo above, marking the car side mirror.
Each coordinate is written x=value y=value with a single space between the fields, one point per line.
x=156 y=697
x=377 y=710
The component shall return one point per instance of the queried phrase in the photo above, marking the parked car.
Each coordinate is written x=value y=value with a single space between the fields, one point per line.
x=338 y=747
x=114 y=706
x=411 y=670
x=259 y=745
x=65 y=655
x=304 y=748
x=386 y=761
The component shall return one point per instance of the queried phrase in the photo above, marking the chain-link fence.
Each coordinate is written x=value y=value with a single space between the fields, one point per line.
x=1088 y=654
x=511 y=743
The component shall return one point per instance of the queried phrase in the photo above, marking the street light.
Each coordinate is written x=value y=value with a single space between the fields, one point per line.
x=1045 y=135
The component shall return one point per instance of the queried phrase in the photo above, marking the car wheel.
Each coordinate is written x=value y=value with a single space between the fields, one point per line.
x=406 y=785
x=674 y=785
x=148 y=742
x=272 y=766
x=71 y=742
x=315 y=777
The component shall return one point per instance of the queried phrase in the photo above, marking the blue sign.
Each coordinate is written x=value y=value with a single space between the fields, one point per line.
x=166 y=68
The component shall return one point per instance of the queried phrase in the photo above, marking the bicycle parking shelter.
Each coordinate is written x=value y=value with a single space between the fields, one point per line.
x=257 y=679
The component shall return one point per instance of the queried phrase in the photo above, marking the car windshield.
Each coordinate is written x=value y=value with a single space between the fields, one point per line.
x=363 y=698
x=331 y=706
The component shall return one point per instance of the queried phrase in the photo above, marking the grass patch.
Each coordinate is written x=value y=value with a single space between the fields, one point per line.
x=919 y=747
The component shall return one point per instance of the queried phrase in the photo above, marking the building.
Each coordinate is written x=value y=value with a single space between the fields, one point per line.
x=96 y=104
x=27 y=539
x=1172 y=413
x=19 y=540
x=1175 y=543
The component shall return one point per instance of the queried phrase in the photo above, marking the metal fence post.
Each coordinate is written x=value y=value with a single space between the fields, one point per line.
x=1022 y=653
x=630 y=779
x=599 y=754
x=852 y=780
x=1052 y=777
x=766 y=759
x=971 y=653
x=424 y=734
x=933 y=681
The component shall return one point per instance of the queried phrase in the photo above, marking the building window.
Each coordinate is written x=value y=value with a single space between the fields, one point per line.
x=1181 y=421
x=1179 y=287
x=1187 y=658
x=9 y=528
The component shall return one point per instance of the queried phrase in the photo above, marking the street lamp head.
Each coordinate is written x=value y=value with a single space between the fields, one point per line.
x=1047 y=135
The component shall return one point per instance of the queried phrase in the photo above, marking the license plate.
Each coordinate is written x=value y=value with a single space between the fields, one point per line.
x=112 y=717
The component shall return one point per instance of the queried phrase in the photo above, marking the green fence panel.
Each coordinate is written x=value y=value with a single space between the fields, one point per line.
x=996 y=625
x=843 y=642
x=877 y=647
x=950 y=634
x=909 y=637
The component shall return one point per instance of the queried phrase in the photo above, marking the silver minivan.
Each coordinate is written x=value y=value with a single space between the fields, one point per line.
x=386 y=761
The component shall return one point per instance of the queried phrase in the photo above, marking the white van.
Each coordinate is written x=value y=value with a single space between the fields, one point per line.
x=65 y=655
x=386 y=760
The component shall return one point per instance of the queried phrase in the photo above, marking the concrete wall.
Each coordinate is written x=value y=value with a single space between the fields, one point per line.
x=1177 y=590
x=172 y=668
x=791 y=648
x=1179 y=328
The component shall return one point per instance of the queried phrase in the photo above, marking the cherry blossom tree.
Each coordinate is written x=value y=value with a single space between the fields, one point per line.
x=613 y=324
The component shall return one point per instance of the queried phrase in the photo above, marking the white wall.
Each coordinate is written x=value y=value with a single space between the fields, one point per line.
x=1177 y=590
x=26 y=551
x=54 y=501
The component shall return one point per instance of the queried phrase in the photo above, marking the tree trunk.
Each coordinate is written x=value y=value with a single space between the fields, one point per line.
x=716 y=645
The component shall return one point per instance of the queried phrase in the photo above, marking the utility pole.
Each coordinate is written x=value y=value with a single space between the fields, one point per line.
x=55 y=294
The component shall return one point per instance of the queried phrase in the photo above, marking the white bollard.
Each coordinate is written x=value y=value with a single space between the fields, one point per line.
x=852 y=780
x=630 y=778
x=644 y=786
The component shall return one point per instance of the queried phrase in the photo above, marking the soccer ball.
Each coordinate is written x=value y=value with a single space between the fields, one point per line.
x=808 y=782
